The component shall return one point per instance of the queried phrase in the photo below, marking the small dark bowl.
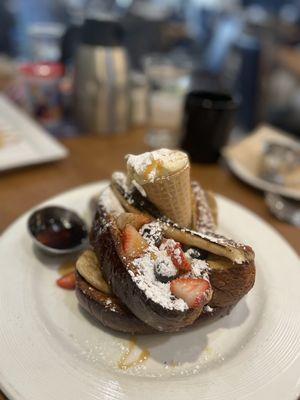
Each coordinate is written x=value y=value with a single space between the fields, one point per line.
x=57 y=230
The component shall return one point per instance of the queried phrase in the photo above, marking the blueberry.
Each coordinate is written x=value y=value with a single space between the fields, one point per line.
x=165 y=271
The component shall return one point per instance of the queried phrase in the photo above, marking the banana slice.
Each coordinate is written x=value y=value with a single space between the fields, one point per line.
x=88 y=267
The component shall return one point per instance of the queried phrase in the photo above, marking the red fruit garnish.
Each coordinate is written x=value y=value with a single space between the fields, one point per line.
x=196 y=292
x=177 y=255
x=133 y=243
x=136 y=220
x=67 y=281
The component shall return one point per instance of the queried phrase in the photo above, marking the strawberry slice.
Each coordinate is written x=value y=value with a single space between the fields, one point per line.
x=67 y=281
x=196 y=292
x=174 y=250
x=133 y=243
x=136 y=220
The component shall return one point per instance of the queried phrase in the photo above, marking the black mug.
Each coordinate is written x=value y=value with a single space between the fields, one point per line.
x=207 y=122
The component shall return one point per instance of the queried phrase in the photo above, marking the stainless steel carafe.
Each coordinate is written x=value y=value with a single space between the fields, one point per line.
x=101 y=86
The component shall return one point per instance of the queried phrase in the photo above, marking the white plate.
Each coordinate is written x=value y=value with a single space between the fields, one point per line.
x=22 y=141
x=51 y=350
x=244 y=155
x=253 y=180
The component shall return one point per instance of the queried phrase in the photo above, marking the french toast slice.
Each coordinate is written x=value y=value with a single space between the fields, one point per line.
x=120 y=274
x=232 y=268
x=231 y=276
x=107 y=309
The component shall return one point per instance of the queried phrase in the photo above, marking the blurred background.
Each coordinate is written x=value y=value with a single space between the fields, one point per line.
x=249 y=48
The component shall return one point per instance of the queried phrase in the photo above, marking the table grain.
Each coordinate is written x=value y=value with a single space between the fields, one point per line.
x=94 y=158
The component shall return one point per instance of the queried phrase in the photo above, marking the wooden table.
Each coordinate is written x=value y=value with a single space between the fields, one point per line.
x=93 y=158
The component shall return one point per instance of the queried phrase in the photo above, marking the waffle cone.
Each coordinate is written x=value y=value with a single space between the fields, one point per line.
x=172 y=195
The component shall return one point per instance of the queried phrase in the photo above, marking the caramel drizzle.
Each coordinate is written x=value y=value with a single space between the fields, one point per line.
x=124 y=364
x=66 y=267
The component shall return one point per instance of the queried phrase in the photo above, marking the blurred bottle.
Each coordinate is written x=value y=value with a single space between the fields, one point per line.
x=72 y=36
x=101 y=86
x=44 y=41
x=249 y=82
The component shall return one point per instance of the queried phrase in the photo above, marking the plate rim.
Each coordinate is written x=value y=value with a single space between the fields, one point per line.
x=35 y=135
x=254 y=181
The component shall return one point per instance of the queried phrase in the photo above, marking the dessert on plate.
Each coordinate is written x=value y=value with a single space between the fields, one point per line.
x=156 y=263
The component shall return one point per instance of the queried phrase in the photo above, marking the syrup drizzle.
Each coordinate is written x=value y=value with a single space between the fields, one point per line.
x=124 y=362
x=66 y=267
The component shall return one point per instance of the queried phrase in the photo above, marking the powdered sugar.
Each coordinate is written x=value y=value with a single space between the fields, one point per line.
x=208 y=309
x=168 y=244
x=110 y=202
x=165 y=267
x=139 y=163
x=177 y=255
x=204 y=219
x=157 y=261
x=152 y=232
x=148 y=166
x=200 y=269
x=158 y=292
x=139 y=188
x=243 y=253
x=120 y=178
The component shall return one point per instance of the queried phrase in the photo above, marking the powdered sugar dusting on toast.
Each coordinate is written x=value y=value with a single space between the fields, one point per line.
x=158 y=292
x=110 y=203
x=107 y=302
x=121 y=179
x=200 y=269
x=151 y=232
x=204 y=220
x=166 y=268
x=209 y=236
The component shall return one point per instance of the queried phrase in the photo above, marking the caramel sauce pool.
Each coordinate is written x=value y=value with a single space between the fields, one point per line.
x=124 y=364
x=66 y=267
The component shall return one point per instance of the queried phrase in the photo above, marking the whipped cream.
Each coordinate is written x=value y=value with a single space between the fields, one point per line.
x=148 y=167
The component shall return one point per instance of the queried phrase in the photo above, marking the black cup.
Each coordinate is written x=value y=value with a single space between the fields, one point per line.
x=208 y=120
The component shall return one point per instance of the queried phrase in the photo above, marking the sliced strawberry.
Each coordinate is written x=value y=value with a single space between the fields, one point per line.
x=136 y=220
x=133 y=243
x=67 y=281
x=177 y=255
x=196 y=292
